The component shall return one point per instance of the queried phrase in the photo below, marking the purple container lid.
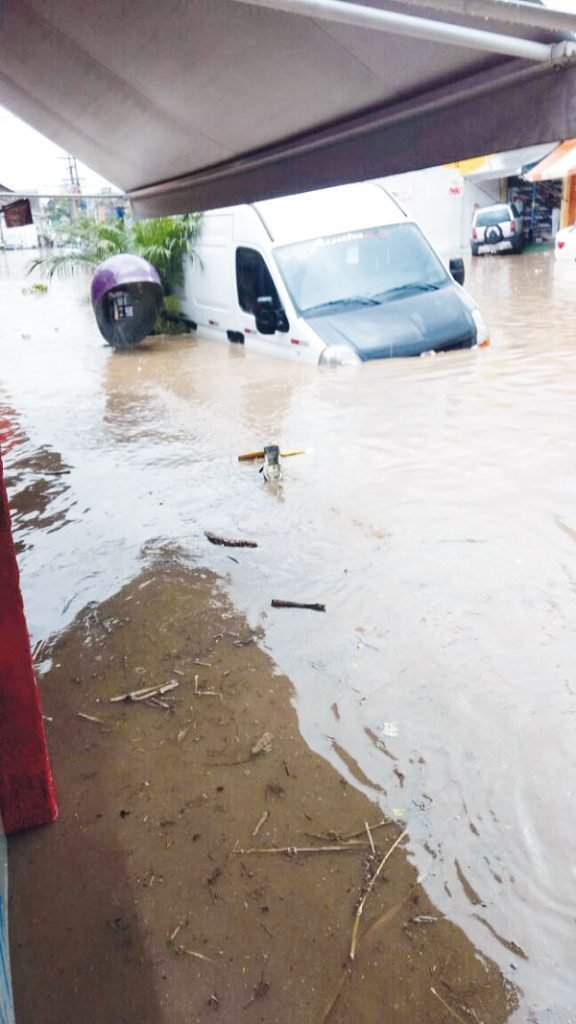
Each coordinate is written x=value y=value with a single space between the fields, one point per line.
x=125 y=268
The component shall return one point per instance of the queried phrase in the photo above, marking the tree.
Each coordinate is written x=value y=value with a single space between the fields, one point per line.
x=163 y=241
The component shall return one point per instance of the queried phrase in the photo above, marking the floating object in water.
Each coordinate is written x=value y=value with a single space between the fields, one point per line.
x=271 y=468
x=252 y=456
x=229 y=542
x=299 y=604
x=126 y=298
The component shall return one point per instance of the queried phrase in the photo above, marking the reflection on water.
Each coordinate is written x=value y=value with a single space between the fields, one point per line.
x=434 y=514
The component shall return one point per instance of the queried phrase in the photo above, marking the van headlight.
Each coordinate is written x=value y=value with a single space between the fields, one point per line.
x=482 y=332
x=339 y=355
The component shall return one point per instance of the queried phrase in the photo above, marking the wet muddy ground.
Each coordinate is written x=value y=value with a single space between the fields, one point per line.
x=433 y=513
x=207 y=865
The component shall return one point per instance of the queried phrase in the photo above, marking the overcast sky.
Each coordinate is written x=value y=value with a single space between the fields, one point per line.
x=29 y=161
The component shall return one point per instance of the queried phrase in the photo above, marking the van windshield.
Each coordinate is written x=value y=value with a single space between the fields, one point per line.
x=359 y=268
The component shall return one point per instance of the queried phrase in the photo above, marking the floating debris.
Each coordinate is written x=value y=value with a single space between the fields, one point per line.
x=298 y=604
x=252 y=456
x=272 y=469
x=229 y=542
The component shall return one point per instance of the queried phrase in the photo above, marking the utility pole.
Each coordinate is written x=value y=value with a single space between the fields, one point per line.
x=73 y=183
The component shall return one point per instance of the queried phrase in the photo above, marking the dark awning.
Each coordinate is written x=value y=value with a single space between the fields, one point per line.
x=191 y=104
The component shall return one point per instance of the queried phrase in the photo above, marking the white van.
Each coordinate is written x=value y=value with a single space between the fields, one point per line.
x=334 y=276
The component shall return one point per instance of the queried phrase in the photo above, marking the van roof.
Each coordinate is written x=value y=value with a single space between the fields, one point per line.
x=329 y=211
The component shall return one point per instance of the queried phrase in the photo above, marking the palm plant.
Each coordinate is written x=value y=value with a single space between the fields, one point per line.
x=163 y=241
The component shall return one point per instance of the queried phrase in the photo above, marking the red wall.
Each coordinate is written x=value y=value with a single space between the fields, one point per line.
x=26 y=789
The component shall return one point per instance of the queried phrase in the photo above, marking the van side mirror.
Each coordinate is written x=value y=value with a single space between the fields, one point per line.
x=269 y=319
x=457 y=270
x=265 y=315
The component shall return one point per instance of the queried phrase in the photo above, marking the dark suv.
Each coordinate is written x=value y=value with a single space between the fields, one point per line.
x=497 y=229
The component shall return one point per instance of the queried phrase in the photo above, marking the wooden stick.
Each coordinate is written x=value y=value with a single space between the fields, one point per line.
x=192 y=952
x=369 y=834
x=292 y=850
x=379 y=824
x=157 y=691
x=38 y=648
x=159 y=703
x=90 y=718
x=146 y=692
x=251 y=456
x=298 y=604
x=369 y=887
x=261 y=821
x=228 y=542
x=446 y=1006
x=343 y=838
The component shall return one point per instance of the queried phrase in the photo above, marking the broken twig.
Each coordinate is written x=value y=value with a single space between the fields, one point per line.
x=38 y=649
x=371 y=841
x=291 y=851
x=146 y=692
x=192 y=952
x=369 y=887
x=261 y=821
x=344 y=837
x=446 y=1006
x=90 y=718
x=204 y=693
x=298 y=604
x=228 y=542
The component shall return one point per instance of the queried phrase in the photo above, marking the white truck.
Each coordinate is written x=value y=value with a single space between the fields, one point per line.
x=336 y=276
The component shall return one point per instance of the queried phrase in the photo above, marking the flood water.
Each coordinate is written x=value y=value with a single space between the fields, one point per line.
x=434 y=513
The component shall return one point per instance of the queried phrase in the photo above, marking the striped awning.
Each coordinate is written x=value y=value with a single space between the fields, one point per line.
x=560 y=163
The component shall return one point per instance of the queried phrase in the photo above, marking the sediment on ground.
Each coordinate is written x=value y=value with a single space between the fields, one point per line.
x=151 y=899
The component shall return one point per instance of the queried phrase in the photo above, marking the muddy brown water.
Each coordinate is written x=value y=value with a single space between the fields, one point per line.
x=433 y=513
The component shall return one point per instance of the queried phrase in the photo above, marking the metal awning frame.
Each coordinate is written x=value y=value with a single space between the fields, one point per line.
x=384 y=20
x=405 y=128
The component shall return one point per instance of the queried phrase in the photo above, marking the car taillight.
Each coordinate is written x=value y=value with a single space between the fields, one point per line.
x=560 y=245
x=474 y=234
x=513 y=226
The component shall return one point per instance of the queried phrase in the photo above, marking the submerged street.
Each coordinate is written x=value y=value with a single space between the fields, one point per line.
x=433 y=513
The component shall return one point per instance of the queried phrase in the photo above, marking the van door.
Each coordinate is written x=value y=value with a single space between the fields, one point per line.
x=253 y=282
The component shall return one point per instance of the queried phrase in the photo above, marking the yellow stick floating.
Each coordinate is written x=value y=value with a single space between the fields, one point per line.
x=250 y=456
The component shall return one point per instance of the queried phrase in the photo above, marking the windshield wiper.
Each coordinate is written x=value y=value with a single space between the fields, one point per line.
x=350 y=300
x=414 y=286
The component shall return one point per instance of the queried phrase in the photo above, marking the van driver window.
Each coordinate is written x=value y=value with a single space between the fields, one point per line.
x=253 y=280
